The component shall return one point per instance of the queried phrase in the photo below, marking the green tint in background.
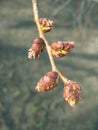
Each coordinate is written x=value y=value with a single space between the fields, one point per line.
x=21 y=107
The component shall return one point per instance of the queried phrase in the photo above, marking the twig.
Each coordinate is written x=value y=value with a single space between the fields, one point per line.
x=41 y=34
x=61 y=7
x=36 y=18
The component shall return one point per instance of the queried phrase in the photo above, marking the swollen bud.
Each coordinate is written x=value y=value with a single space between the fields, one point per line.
x=46 y=24
x=36 y=48
x=72 y=93
x=48 y=81
x=62 y=48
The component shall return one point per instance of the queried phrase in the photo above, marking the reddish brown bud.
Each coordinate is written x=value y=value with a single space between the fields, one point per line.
x=72 y=93
x=61 y=48
x=36 y=49
x=46 y=24
x=48 y=81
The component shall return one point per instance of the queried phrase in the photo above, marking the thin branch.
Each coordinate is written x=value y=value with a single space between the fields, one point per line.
x=41 y=34
x=36 y=18
x=64 y=79
x=55 y=12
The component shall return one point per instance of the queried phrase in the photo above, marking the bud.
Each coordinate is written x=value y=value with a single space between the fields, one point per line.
x=61 y=48
x=72 y=93
x=48 y=81
x=46 y=24
x=36 y=49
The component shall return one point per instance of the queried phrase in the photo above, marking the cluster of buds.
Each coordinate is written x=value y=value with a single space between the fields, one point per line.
x=36 y=48
x=46 y=24
x=61 y=48
x=58 y=49
x=72 y=93
x=48 y=81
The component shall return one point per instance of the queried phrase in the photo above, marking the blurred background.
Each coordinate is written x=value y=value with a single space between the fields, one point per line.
x=21 y=107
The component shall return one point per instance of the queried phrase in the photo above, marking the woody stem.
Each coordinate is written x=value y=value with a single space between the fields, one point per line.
x=41 y=34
